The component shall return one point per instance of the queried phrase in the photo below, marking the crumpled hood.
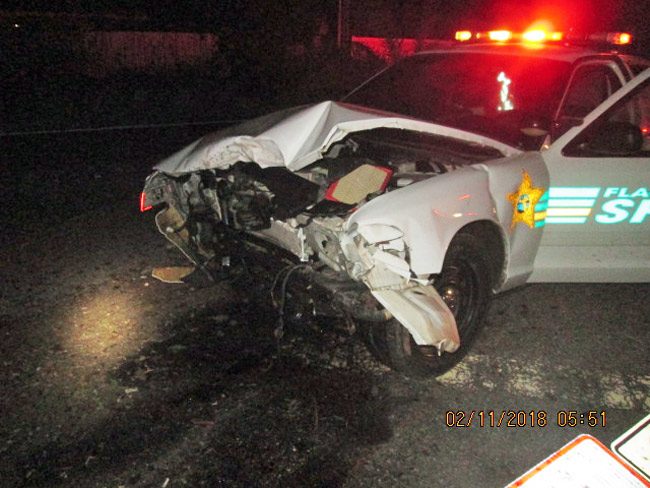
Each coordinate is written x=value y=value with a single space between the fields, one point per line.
x=296 y=137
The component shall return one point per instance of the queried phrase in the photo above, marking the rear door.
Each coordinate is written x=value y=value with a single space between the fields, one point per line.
x=597 y=225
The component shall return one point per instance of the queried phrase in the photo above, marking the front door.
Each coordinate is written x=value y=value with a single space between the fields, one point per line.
x=598 y=216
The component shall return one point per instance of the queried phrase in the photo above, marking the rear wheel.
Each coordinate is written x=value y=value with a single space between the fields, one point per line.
x=465 y=286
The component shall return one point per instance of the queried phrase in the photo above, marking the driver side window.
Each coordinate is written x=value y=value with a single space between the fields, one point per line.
x=624 y=130
x=590 y=85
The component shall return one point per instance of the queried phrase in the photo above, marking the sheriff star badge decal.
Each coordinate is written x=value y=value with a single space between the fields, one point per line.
x=524 y=200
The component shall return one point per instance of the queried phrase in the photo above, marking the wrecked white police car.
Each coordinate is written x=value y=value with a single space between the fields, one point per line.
x=409 y=223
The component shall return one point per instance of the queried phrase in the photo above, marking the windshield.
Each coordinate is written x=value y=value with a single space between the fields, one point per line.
x=491 y=94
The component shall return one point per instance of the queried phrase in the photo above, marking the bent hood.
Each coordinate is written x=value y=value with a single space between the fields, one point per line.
x=296 y=137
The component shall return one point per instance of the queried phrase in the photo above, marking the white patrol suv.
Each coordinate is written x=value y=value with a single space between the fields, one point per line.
x=428 y=188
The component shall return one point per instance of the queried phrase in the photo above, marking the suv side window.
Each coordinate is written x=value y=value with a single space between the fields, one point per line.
x=624 y=130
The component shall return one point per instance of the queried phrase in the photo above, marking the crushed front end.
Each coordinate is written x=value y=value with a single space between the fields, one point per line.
x=302 y=220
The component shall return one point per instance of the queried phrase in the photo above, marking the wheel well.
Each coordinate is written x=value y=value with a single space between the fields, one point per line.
x=491 y=237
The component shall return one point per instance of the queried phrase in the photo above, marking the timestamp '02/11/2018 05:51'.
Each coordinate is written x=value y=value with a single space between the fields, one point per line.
x=523 y=418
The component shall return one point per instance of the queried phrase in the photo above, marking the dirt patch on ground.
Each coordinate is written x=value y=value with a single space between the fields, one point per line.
x=110 y=375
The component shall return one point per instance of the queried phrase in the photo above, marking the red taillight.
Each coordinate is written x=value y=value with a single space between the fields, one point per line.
x=143 y=203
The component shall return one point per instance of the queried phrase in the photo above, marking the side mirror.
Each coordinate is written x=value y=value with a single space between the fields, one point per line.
x=608 y=139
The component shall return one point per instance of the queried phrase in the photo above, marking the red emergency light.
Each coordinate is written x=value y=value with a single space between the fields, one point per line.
x=616 y=38
x=500 y=35
x=619 y=38
x=540 y=35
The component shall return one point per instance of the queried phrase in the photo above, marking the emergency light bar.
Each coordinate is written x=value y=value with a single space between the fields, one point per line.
x=541 y=36
x=534 y=35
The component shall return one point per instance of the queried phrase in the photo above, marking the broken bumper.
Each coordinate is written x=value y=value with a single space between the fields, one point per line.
x=371 y=255
x=378 y=254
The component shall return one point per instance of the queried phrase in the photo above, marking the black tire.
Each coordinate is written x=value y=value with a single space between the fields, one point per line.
x=465 y=285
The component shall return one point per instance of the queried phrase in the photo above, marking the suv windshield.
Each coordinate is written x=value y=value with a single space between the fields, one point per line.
x=491 y=94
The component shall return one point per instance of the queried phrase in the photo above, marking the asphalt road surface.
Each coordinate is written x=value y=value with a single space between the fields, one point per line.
x=110 y=378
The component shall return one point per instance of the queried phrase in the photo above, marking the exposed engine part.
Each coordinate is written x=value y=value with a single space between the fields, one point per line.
x=247 y=204
x=321 y=236
x=289 y=235
x=173 y=225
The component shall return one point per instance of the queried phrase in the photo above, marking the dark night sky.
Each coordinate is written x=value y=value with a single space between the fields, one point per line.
x=375 y=17
x=590 y=12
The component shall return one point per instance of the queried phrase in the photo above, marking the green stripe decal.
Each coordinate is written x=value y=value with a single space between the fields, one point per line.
x=566 y=220
x=572 y=202
x=573 y=192
x=542 y=204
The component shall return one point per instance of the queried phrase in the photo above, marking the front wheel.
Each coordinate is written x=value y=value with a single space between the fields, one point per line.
x=465 y=286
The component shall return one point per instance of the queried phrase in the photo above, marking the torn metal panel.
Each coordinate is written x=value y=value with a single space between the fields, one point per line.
x=383 y=269
x=423 y=312
x=327 y=248
x=414 y=303
x=290 y=237
x=392 y=263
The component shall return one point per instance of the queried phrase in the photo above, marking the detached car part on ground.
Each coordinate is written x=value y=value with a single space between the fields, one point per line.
x=399 y=223
x=409 y=226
